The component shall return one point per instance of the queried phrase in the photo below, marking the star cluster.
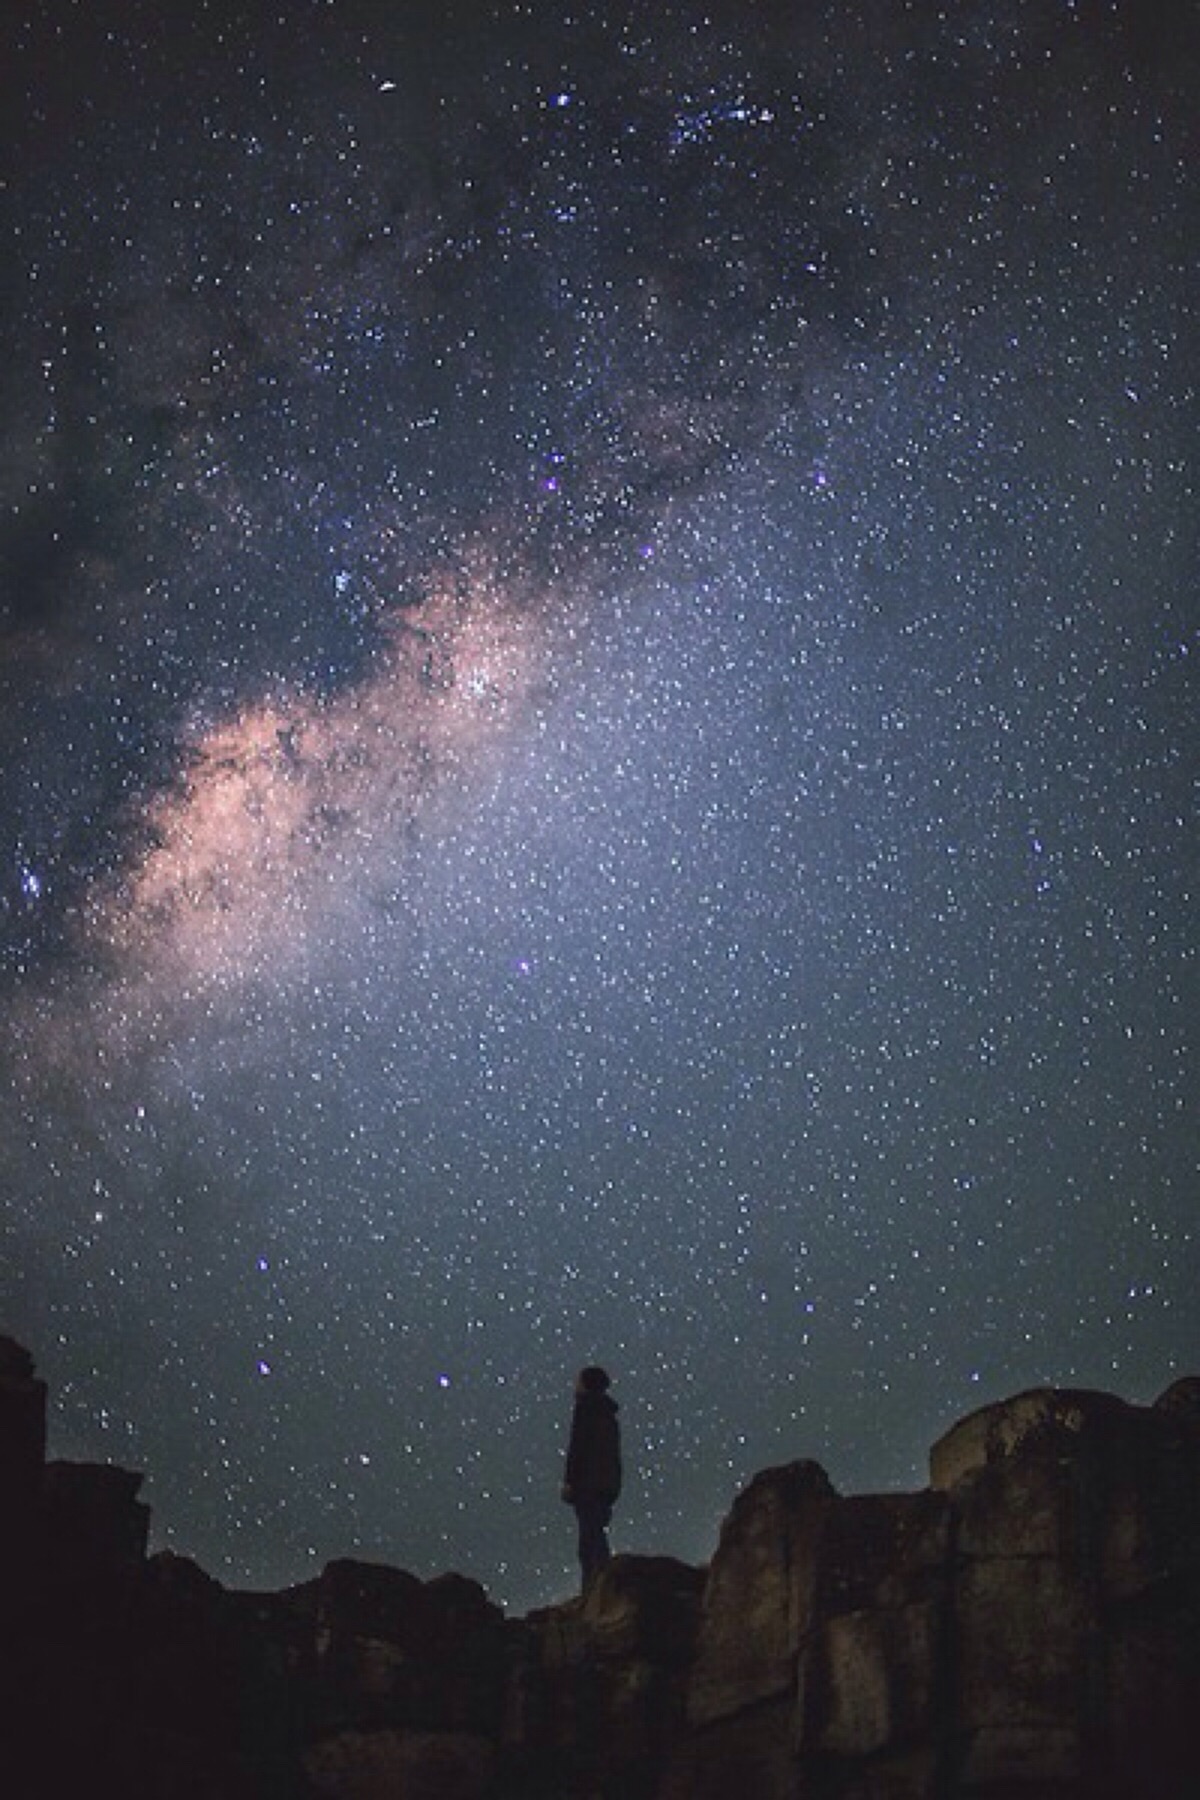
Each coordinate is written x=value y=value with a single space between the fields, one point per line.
x=597 y=749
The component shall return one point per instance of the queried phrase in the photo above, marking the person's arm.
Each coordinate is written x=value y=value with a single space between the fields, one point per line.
x=570 y=1468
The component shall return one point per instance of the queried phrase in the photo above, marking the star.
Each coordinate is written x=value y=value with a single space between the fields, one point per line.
x=595 y=763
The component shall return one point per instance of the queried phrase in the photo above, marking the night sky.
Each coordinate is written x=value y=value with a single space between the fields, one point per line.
x=598 y=738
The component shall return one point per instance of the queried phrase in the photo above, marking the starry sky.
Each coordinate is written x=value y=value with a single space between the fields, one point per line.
x=598 y=744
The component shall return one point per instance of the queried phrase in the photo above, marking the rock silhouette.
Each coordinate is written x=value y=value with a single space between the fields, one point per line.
x=1027 y=1626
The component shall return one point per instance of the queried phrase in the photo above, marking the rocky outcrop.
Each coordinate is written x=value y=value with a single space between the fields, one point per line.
x=1028 y=1626
x=598 y=1686
x=23 y=1449
x=1077 y=1592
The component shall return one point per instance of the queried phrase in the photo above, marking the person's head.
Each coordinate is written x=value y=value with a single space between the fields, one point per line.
x=592 y=1380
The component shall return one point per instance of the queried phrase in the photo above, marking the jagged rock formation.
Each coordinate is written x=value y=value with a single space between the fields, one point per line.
x=1027 y=1627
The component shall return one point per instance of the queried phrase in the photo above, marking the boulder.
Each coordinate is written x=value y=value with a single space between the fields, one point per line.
x=1146 y=1484
x=390 y=1650
x=1075 y=1644
x=758 y=1597
x=596 y=1688
x=1148 y=1534
x=757 y=1611
x=1041 y=1416
x=644 y=1609
x=871 y=1670
x=1026 y=1609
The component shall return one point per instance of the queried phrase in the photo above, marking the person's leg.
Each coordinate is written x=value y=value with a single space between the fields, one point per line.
x=594 y=1552
x=603 y=1520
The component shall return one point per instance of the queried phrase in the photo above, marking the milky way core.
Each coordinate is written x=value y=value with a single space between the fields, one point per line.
x=597 y=750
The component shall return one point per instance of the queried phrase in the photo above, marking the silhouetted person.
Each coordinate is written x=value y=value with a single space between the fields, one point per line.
x=592 y=1479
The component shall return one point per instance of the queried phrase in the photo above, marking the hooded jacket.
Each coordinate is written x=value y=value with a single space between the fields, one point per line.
x=593 y=1468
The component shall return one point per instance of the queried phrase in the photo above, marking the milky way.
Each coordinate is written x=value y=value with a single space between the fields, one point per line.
x=597 y=750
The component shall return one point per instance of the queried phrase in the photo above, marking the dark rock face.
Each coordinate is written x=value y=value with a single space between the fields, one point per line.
x=597 y=1695
x=872 y=1669
x=1077 y=1594
x=23 y=1447
x=758 y=1600
x=1027 y=1628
